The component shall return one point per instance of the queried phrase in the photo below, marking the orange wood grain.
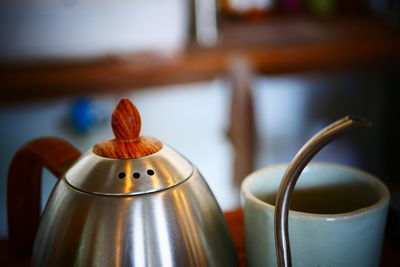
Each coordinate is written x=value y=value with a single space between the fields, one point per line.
x=24 y=184
x=126 y=124
x=140 y=147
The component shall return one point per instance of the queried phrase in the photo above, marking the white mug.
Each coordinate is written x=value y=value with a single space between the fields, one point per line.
x=337 y=216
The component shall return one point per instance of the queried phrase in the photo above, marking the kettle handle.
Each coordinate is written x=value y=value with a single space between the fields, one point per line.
x=24 y=187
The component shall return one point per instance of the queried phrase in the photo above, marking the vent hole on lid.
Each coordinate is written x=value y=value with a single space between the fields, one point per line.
x=150 y=172
x=136 y=175
x=121 y=175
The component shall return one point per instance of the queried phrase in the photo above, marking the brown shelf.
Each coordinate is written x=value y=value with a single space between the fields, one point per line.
x=275 y=46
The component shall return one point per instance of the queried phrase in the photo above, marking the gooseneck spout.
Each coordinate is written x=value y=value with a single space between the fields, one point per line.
x=299 y=162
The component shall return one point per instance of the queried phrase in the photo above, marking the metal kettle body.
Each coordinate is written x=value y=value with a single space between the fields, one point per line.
x=152 y=210
x=179 y=226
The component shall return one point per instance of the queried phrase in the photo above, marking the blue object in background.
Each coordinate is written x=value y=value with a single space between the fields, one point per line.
x=85 y=114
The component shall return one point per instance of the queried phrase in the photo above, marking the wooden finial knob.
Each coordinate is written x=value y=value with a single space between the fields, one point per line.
x=126 y=121
x=127 y=144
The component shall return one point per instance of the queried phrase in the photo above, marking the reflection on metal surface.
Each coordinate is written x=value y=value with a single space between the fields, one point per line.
x=98 y=175
x=181 y=226
x=139 y=238
x=162 y=232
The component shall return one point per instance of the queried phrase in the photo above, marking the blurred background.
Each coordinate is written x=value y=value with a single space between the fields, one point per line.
x=234 y=85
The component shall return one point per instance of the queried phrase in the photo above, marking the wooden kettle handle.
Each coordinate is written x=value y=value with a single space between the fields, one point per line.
x=24 y=188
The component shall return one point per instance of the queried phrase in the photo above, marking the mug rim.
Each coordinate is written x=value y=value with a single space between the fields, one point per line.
x=384 y=192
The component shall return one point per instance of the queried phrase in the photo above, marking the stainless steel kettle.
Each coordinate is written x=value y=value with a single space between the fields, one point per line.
x=128 y=201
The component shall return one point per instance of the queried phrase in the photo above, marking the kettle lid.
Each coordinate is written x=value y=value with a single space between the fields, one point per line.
x=129 y=164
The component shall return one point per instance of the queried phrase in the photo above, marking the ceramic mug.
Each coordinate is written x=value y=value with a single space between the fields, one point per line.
x=337 y=216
